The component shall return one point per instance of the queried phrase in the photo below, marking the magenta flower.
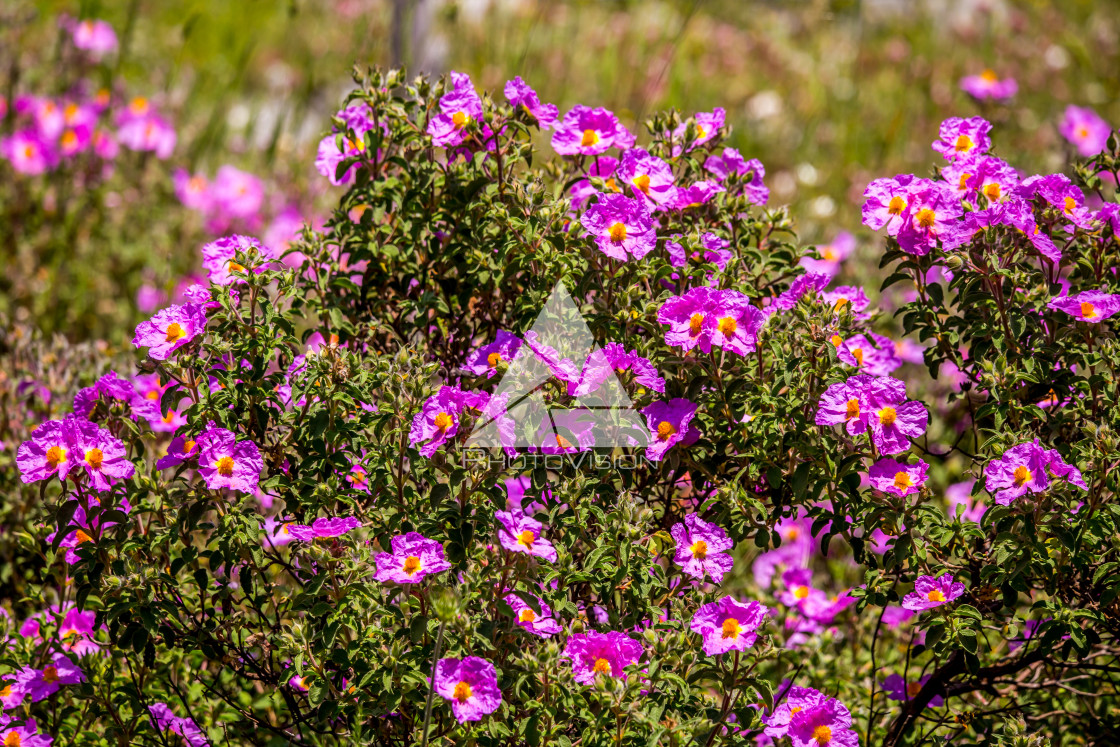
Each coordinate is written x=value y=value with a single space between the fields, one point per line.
x=459 y=108
x=1058 y=191
x=736 y=322
x=987 y=85
x=170 y=329
x=670 y=423
x=76 y=632
x=94 y=36
x=164 y=720
x=471 y=684
x=892 y=418
x=96 y=451
x=886 y=201
x=522 y=534
x=749 y=174
x=728 y=625
x=702 y=548
x=25 y=735
x=621 y=226
x=589 y=132
x=989 y=176
x=874 y=359
x=963 y=138
x=521 y=96
x=900 y=479
x=46 y=454
x=848 y=296
x=707 y=126
x=690 y=318
x=829 y=724
x=897 y=688
x=225 y=462
x=830 y=256
x=323 y=528
x=797 y=700
x=592 y=654
x=221 y=261
x=541 y=624
x=933 y=209
x=1085 y=130
x=612 y=359
x=28 y=153
x=1027 y=468
x=486 y=359
x=1092 y=306
x=582 y=191
x=148 y=134
x=843 y=402
x=647 y=176
x=414 y=557
x=42 y=683
x=438 y=421
x=693 y=195
x=802 y=285
x=179 y=450
x=930 y=592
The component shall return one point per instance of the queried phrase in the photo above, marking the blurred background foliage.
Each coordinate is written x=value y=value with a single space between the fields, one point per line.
x=828 y=94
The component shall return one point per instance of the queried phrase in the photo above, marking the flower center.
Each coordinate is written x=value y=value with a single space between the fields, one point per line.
x=82 y=537
x=852 y=409
x=795 y=710
x=989 y=76
x=139 y=105
x=462 y=692
x=590 y=137
x=56 y=454
x=887 y=416
x=235 y=267
x=839 y=304
x=1088 y=310
x=613 y=186
x=699 y=549
x=836 y=341
x=225 y=466
x=1083 y=132
x=731 y=628
x=69 y=139
x=493 y=360
x=562 y=442
x=618 y=233
x=935 y=596
x=601 y=666
x=641 y=181
x=857 y=353
x=94 y=457
x=727 y=326
x=896 y=205
x=665 y=429
x=992 y=191
x=175 y=331
x=963 y=143
x=50 y=674
x=823 y=735
x=963 y=183
x=13 y=739
x=28 y=152
x=793 y=533
x=1022 y=475
x=411 y=565
x=188 y=446
x=526 y=616
x=926 y=218
x=443 y=421
x=526 y=538
x=902 y=481
x=1070 y=204
x=800 y=592
x=460 y=120
x=694 y=323
x=913 y=689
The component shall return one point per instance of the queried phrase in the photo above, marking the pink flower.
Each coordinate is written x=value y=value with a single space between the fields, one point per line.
x=522 y=534
x=707 y=125
x=521 y=96
x=237 y=194
x=874 y=359
x=728 y=625
x=963 y=138
x=42 y=683
x=1092 y=306
x=540 y=623
x=222 y=259
x=670 y=423
x=622 y=227
x=170 y=329
x=164 y=720
x=28 y=153
x=225 y=462
x=25 y=735
x=46 y=454
x=930 y=592
x=1085 y=130
x=900 y=479
x=323 y=528
x=897 y=688
x=987 y=85
x=96 y=451
x=94 y=36
x=590 y=132
x=592 y=654
x=702 y=549
x=471 y=686
x=414 y=557
x=1027 y=468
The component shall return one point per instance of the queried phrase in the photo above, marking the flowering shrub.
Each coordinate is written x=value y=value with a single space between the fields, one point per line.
x=278 y=531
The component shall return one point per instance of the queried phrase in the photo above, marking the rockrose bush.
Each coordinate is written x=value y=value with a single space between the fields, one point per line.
x=276 y=523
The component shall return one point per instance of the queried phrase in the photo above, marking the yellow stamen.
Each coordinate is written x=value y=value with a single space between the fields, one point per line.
x=727 y=326
x=992 y=191
x=188 y=446
x=462 y=692
x=55 y=455
x=493 y=360
x=526 y=538
x=411 y=565
x=50 y=673
x=699 y=549
x=963 y=143
x=94 y=457
x=443 y=421
x=887 y=416
x=460 y=120
x=694 y=323
x=731 y=628
x=823 y=735
x=618 y=233
x=852 y=409
x=225 y=466
x=935 y=596
x=665 y=430
x=82 y=537
x=896 y=205
x=1088 y=310
x=857 y=353
x=913 y=689
x=1022 y=475
x=926 y=218
x=526 y=616
x=1070 y=204
x=902 y=481
x=590 y=138
x=989 y=76
x=175 y=332
x=800 y=592
x=641 y=181
x=602 y=666
x=836 y=341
